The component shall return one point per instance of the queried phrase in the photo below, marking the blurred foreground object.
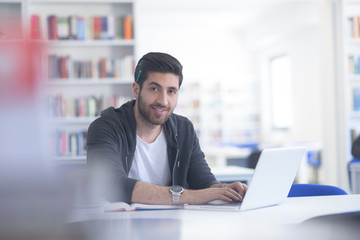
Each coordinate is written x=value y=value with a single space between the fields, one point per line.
x=20 y=70
x=34 y=201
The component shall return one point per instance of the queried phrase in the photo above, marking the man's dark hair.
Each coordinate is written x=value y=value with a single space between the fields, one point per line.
x=157 y=62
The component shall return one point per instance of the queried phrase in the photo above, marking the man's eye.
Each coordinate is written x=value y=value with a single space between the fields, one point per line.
x=153 y=89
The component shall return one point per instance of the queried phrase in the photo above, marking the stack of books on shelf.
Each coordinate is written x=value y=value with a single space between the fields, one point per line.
x=81 y=28
x=90 y=106
x=64 y=143
x=66 y=67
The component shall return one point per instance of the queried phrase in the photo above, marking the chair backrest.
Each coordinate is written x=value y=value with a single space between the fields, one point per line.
x=307 y=190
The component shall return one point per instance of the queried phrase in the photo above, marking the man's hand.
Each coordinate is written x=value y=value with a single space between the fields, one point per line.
x=239 y=187
x=226 y=192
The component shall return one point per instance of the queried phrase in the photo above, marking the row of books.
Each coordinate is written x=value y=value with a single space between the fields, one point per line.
x=356 y=99
x=65 y=143
x=354 y=64
x=354 y=26
x=66 y=67
x=81 y=28
x=90 y=106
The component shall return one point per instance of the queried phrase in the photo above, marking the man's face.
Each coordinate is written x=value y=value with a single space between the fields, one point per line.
x=158 y=97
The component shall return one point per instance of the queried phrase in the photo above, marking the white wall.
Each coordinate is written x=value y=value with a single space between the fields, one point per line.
x=293 y=32
x=228 y=41
x=205 y=41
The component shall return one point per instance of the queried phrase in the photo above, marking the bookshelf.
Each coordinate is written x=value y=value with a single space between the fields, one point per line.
x=221 y=113
x=88 y=64
x=351 y=73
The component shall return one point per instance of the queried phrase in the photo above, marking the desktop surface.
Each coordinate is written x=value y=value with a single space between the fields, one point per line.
x=285 y=221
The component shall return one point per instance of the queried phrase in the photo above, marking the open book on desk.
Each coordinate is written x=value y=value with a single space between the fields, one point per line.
x=122 y=206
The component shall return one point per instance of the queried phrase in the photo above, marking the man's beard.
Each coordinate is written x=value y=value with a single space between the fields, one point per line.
x=146 y=112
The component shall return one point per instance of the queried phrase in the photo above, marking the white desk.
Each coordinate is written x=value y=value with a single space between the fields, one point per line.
x=277 y=222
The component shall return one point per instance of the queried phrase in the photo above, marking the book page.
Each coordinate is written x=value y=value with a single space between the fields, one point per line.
x=122 y=206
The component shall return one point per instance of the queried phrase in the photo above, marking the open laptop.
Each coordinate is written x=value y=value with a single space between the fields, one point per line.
x=271 y=182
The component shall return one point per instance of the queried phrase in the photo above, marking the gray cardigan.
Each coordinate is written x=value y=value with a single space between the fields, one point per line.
x=111 y=142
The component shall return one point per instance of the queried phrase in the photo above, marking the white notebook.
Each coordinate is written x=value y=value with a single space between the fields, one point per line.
x=274 y=174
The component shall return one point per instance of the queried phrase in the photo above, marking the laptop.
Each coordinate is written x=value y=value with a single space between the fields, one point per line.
x=274 y=174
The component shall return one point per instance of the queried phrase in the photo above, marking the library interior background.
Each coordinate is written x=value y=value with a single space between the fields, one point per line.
x=257 y=74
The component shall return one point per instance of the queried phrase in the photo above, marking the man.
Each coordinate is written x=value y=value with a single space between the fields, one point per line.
x=143 y=148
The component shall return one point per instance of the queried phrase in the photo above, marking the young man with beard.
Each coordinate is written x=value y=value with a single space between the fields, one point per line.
x=148 y=154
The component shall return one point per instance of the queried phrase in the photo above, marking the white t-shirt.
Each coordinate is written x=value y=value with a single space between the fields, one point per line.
x=150 y=162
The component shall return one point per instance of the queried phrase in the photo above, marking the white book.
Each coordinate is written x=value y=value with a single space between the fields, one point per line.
x=111 y=27
x=73 y=144
x=43 y=27
x=89 y=28
x=127 y=66
x=94 y=69
x=122 y=206
x=73 y=27
x=63 y=27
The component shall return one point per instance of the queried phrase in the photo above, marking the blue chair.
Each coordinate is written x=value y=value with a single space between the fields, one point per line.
x=307 y=190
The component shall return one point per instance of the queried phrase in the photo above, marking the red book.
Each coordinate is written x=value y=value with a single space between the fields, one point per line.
x=97 y=27
x=52 y=28
x=35 y=26
x=82 y=107
x=64 y=143
x=64 y=69
x=102 y=68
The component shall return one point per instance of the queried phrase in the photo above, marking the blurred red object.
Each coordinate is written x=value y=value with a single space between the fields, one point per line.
x=21 y=69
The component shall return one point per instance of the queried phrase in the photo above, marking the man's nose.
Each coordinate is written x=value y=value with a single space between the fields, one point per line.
x=162 y=99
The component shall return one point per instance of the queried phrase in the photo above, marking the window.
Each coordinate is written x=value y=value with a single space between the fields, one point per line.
x=281 y=92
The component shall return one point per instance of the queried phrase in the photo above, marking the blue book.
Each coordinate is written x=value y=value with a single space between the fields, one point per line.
x=104 y=28
x=80 y=28
x=356 y=96
x=356 y=65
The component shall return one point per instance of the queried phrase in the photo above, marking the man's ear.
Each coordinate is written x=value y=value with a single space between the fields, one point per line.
x=136 y=89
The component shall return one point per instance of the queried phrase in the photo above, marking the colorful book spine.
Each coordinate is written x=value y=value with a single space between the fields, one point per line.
x=84 y=28
x=354 y=26
x=35 y=27
x=89 y=106
x=128 y=27
x=97 y=27
x=80 y=35
x=73 y=27
x=354 y=64
x=65 y=67
x=356 y=99
x=111 y=27
x=66 y=143
x=120 y=27
x=104 y=27
x=52 y=28
x=63 y=28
